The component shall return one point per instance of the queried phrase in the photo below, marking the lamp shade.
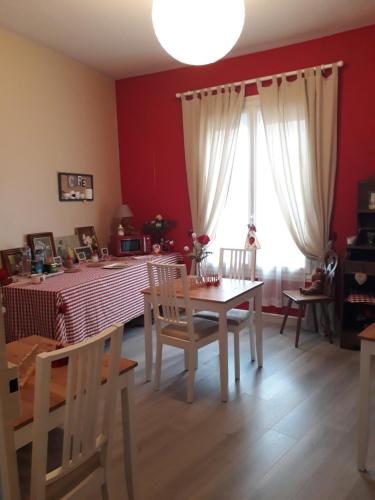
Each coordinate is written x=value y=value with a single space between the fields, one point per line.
x=198 y=31
x=124 y=212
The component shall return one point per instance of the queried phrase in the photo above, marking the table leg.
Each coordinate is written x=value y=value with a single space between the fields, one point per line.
x=148 y=339
x=129 y=436
x=251 y=330
x=223 y=352
x=258 y=325
x=364 y=405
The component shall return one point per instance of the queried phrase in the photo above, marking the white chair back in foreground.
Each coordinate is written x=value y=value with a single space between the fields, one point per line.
x=88 y=424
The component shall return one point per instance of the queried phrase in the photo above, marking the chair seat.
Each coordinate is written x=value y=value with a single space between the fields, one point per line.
x=299 y=297
x=202 y=328
x=234 y=317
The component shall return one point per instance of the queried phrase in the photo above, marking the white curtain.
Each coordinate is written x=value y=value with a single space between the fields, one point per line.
x=300 y=120
x=211 y=123
x=252 y=198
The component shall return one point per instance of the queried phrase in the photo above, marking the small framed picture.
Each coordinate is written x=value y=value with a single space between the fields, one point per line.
x=105 y=253
x=75 y=187
x=81 y=257
x=87 y=237
x=12 y=260
x=58 y=260
x=42 y=246
x=83 y=253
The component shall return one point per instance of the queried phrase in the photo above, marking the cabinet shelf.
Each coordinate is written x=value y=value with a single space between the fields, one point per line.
x=357 y=313
x=361 y=247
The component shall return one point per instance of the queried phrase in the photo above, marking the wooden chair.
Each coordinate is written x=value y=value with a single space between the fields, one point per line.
x=330 y=265
x=9 y=411
x=186 y=332
x=367 y=353
x=88 y=424
x=240 y=265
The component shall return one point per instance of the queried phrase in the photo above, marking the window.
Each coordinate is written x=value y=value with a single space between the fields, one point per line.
x=252 y=197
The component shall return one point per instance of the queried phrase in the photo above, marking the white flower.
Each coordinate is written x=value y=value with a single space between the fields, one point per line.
x=186 y=249
x=194 y=235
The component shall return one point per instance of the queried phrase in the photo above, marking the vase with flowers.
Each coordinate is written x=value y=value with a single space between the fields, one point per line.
x=198 y=252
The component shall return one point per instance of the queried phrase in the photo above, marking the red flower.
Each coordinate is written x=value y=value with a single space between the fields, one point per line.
x=203 y=239
x=3 y=276
x=251 y=240
x=63 y=308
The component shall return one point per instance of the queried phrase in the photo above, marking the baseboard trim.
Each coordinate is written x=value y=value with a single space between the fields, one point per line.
x=278 y=318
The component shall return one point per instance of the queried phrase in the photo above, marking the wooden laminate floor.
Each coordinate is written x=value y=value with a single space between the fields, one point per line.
x=288 y=431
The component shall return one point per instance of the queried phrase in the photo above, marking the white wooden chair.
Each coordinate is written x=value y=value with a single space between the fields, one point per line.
x=185 y=332
x=236 y=263
x=9 y=411
x=88 y=424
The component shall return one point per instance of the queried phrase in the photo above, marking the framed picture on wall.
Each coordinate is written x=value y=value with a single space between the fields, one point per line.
x=12 y=260
x=75 y=187
x=87 y=237
x=42 y=246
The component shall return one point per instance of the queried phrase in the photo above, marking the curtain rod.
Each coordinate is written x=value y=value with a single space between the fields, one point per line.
x=262 y=78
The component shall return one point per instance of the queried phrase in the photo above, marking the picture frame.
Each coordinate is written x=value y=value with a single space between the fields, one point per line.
x=12 y=260
x=104 y=253
x=42 y=245
x=83 y=253
x=58 y=260
x=75 y=187
x=87 y=237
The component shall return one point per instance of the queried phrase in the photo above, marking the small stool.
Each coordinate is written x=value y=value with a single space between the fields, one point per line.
x=367 y=350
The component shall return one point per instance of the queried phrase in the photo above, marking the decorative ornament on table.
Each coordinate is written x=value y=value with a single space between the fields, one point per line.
x=317 y=283
x=5 y=279
x=360 y=278
x=252 y=241
x=156 y=249
x=120 y=230
x=198 y=252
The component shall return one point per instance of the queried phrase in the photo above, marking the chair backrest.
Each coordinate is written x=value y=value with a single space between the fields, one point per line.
x=9 y=411
x=331 y=260
x=164 y=287
x=237 y=263
x=87 y=423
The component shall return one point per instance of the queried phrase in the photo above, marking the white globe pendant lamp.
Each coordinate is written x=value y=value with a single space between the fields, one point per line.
x=198 y=32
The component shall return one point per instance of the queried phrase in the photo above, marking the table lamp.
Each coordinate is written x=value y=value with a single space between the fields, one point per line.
x=125 y=215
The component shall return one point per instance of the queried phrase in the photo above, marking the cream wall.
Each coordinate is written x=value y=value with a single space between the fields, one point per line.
x=55 y=115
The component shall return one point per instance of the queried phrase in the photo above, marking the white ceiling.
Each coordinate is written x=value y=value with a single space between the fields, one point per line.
x=116 y=36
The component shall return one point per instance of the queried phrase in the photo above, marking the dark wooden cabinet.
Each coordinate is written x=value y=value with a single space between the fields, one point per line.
x=358 y=291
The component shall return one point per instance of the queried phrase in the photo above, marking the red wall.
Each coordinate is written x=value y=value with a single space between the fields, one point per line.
x=151 y=138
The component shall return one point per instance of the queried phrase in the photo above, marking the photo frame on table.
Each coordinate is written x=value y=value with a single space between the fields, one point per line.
x=12 y=260
x=75 y=187
x=87 y=237
x=58 y=260
x=42 y=245
x=83 y=253
x=104 y=252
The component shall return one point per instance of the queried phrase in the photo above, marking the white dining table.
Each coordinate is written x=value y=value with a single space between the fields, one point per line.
x=229 y=294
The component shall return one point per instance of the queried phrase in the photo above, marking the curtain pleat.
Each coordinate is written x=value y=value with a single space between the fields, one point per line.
x=211 y=123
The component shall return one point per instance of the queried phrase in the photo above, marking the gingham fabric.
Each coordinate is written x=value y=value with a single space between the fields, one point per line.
x=73 y=306
x=364 y=298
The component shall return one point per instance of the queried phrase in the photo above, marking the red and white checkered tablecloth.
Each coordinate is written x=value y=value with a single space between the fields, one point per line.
x=364 y=298
x=73 y=306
